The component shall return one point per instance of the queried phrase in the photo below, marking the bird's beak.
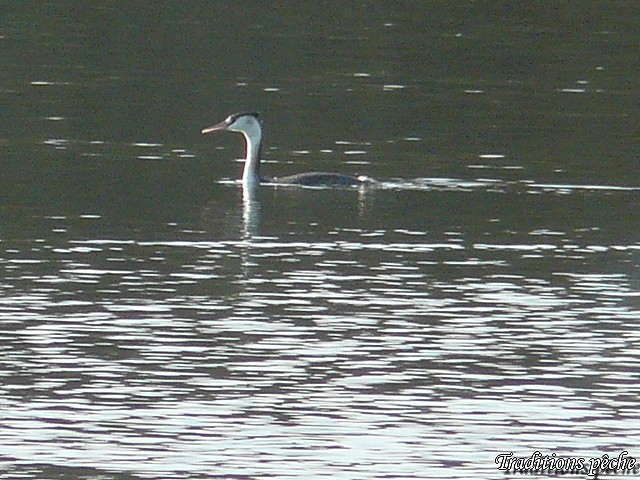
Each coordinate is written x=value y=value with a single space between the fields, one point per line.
x=215 y=128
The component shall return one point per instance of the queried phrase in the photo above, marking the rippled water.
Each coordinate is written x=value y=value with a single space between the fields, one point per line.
x=319 y=350
x=158 y=321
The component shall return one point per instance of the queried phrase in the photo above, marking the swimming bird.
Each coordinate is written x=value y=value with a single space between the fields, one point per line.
x=248 y=124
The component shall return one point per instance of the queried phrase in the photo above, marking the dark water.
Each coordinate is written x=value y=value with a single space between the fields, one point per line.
x=158 y=322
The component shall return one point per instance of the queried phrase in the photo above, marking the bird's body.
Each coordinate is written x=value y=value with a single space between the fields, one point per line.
x=327 y=179
x=248 y=124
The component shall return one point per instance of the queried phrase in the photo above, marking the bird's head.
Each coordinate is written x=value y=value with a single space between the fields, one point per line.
x=244 y=122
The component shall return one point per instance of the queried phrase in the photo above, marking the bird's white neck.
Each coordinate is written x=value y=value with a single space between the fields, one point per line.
x=251 y=174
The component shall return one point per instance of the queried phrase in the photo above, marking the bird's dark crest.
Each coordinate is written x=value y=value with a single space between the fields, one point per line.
x=232 y=118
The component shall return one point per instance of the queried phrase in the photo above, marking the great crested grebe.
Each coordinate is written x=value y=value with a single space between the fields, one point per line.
x=248 y=124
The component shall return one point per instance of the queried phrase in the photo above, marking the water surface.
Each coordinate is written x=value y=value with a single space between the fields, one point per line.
x=157 y=321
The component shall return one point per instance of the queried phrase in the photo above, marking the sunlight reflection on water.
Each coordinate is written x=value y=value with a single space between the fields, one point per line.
x=481 y=297
x=329 y=359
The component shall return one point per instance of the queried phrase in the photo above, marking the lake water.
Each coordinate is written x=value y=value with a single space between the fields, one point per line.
x=157 y=321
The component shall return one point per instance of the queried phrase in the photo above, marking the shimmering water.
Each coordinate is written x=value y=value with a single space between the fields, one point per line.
x=157 y=321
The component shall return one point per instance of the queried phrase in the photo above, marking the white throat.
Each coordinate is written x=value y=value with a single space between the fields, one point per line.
x=253 y=137
x=251 y=174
